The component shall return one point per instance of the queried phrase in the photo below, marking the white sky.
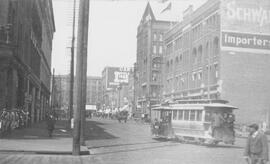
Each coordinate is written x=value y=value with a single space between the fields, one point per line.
x=112 y=31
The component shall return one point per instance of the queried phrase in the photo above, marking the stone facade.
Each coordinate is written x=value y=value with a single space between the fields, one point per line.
x=26 y=29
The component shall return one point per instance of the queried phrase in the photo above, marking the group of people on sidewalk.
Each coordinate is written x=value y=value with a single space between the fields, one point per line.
x=13 y=119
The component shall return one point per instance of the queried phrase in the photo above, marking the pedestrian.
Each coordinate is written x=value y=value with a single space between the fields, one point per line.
x=256 y=150
x=155 y=127
x=50 y=124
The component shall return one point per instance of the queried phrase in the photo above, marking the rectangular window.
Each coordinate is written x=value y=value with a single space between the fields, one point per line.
x=160 y=50
x=180 y=114
x=208 y=116
x=200 y=75
x=160 y=37
x=154 y=49
x=174 y=114
x=192 y=115
x=155 y=36
x=194 y=76
x=186 y=115
x=199 y=115
x=216 y=70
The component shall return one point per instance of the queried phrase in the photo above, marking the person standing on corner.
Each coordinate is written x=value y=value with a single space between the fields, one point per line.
x=50 y=124
x=256 y=150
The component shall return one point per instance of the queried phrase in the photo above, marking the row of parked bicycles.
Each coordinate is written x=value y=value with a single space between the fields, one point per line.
x=12 y=119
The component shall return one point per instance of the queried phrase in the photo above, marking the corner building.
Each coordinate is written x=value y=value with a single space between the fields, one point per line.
x=222 y=51
x=150 y=50
x=26 y=34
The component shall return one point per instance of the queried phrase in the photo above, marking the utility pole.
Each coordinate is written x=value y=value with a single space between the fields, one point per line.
x=84 y=84
x=119 y=90
x=71 y=87
x=81 y=69
x=134 y=89
x=53 y=90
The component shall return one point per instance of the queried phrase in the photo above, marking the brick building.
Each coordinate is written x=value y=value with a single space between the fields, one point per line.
x=60 y=94
x=150 y=50
x=94 y=92
x=26 y=33
x=61 y=91
x=222 y=51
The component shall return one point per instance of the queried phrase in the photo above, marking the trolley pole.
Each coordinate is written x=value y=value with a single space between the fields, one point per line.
x=81 y=67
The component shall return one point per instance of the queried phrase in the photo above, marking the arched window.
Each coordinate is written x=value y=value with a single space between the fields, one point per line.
x=200 y=53
x=194 y=56
x=171 y=64
x=216 y=46
x=206 y=54
x=168 y=66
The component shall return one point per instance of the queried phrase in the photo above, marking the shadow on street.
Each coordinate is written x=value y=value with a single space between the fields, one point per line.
x=39 y=131
x=128 y=144
x=135 y=149
x=95 y=132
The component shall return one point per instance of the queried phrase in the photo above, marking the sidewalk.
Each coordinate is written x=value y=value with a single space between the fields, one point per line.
x=35 y=140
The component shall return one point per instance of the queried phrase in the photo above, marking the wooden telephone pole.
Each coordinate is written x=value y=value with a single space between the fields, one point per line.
x=71 y=87
x=81 y=70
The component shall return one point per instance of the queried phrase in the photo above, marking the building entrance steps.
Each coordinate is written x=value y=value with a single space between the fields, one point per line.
x=35 y=140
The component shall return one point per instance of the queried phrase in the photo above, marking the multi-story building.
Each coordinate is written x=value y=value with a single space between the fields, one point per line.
x=60 y=94
x=131 y=90
x=61 y=91
x=150 y=50
x=26 y=33
x=114 y=86
x=222 y=51
x=94 y=92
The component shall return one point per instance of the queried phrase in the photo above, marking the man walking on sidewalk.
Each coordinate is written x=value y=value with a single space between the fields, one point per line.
x=256 y=151
x=50 y=124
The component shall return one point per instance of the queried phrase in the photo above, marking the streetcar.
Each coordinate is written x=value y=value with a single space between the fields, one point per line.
x=200 y=121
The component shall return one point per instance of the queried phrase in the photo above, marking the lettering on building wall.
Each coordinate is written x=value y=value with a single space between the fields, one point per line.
x=121 y=77
x=117 y=76
x=245 y=40
x=258 y=15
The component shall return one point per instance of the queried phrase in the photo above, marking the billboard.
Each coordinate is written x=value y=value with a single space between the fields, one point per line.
x=117 y=76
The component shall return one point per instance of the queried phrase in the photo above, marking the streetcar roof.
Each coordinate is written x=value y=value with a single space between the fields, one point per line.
x=212 y=106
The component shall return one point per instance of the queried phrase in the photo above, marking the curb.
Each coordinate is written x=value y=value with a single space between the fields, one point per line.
x=83 y=152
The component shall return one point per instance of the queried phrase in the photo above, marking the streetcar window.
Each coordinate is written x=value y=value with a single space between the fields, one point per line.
x=192 y=115
x=180 y=114
x=208 y=116
x=199 y=115
x=186 y=115
x=174 y=114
